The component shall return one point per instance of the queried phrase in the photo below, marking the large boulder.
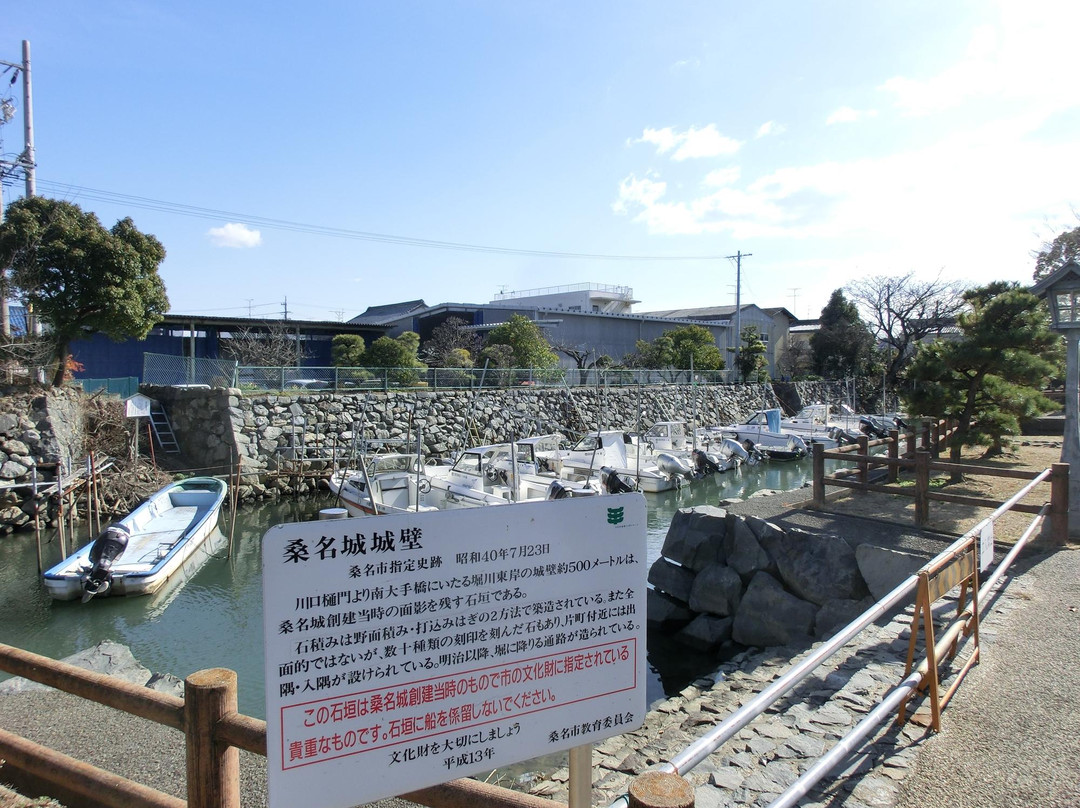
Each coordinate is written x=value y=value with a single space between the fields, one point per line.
x=717 y=590
x=884 y=569
x=664 y=613
x=746 y=555
x=770 y=615
x=706 y=633
x=695 y=537
x=671 y=578
x=817 y=568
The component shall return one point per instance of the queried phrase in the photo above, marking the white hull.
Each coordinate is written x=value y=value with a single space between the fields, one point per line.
x=168 y=538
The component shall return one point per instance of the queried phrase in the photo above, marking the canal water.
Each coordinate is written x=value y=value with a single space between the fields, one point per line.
x=214 y=619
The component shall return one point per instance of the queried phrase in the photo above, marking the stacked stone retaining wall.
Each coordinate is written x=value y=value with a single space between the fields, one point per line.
x=38 y=431
x=269 y=434
x=273 y=436
x=723 y=578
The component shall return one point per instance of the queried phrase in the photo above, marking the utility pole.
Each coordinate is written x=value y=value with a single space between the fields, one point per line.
x=738 y=301
x=25 y=161
x=794 y=292
x=285 y=307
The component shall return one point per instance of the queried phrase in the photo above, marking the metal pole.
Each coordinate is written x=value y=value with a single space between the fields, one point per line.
x=738 y=307
x=1070 y=443
x=28 y=124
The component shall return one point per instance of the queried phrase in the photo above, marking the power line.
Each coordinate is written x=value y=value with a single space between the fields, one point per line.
x=76 y=191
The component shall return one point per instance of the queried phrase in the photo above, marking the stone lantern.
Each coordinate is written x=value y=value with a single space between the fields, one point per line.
x=1061 y=289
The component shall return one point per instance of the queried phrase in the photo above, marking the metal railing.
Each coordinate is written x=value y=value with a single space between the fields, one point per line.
x=347 y=379
x=700 y=749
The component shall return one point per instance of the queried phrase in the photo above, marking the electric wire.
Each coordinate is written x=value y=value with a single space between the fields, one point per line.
x=145 y=203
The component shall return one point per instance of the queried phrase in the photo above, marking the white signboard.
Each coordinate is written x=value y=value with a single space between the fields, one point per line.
x=986 y=547
x=137 y=406
x=407 y=650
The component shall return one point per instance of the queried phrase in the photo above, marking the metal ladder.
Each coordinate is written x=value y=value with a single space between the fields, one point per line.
x=163 y=432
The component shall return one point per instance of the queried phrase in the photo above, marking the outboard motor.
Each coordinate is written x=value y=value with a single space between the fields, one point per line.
x=842 y=437
x=613 y=483
x=705 y=463
x=873 y=427
x=672 y=466
x=558 y=490
x=106 y=548
x=732 y=448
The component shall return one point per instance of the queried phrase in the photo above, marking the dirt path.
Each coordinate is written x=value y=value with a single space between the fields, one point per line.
x=1034 y=455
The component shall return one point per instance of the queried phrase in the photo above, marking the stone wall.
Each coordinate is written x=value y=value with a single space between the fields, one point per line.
x=724 y=578
x=38 y=431
x=268 y=433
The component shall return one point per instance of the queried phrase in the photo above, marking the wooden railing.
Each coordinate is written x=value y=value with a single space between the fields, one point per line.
x=214 y=733
x=920 y=449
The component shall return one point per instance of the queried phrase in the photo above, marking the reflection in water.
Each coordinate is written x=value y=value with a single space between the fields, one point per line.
x=214 y=619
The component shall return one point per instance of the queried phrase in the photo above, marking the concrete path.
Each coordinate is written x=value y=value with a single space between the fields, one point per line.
x=1011 y=735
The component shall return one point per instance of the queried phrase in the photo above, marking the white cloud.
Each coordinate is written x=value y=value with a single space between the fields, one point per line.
x=722 y=176
x=770 y=128
x=234 y=234
x=693 y=143
x=970 y=202
x=1027 y=56
x=849 y=115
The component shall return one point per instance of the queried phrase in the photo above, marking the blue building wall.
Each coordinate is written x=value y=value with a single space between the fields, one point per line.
x=101 y=357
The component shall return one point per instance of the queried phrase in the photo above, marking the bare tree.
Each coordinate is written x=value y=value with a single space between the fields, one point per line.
x=269 y=346
x=447 y=339
x=584 y=358
x=902 y=311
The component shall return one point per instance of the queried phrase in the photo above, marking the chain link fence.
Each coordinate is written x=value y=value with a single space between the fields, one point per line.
x=176 y=370
x=166 y=370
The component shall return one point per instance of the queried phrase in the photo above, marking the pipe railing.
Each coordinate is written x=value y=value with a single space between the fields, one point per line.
x=700 y=749
x=892 y=701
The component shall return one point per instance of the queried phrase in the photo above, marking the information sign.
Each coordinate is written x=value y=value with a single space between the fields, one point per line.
x=986 y=547
x=406 y=650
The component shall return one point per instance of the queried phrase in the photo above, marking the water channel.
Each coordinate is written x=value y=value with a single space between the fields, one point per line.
x=215 y=618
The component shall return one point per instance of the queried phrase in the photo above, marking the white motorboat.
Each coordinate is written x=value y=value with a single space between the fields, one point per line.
x=815 y=423
x=497 y=474
x=763 y=431
x=704 y=455
x=164 y=537
x=614 y=452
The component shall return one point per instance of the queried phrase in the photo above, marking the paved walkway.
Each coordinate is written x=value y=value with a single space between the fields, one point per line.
x=1011 y=735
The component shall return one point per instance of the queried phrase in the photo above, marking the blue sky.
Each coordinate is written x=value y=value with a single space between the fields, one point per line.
x=274 y=147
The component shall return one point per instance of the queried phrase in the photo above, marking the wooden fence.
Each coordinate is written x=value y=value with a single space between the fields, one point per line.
x=921 y=449
x=214 y=732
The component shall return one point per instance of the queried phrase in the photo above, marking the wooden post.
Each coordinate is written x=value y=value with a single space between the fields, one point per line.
x=213 y=768
x=925 y=435
x=1059 y=502
x=819 y=475
x=580 y=794
x=922 y=487
x=909 y=451
x=894 y=454
x=660 y=790
x=864 y=459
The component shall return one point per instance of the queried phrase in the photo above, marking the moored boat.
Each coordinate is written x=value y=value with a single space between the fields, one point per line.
x=163 y=537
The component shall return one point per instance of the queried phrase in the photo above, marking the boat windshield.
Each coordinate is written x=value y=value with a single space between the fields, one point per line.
x=589 y=443
x=468 y=463
x=395 y=462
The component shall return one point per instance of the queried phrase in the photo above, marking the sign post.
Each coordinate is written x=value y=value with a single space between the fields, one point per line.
x=423 y=647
